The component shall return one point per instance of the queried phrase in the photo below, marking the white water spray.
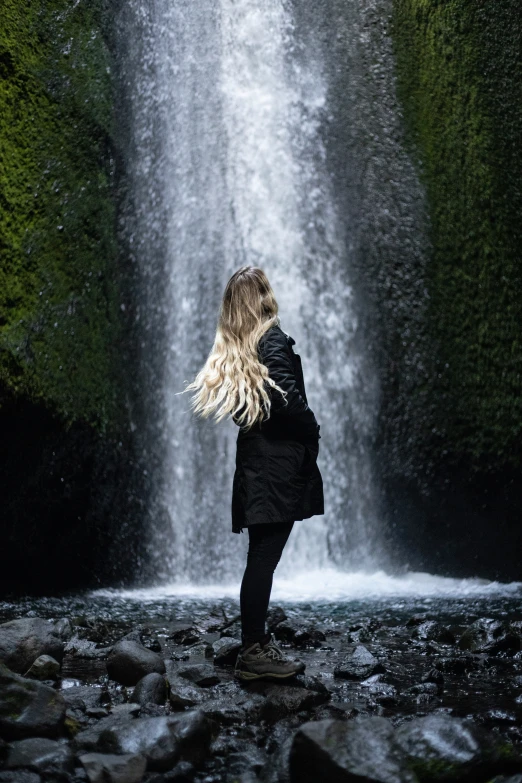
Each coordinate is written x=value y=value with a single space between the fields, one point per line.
x=228 y=167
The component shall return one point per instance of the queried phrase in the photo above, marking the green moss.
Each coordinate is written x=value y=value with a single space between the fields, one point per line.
x=58 y=298
x=460 y=81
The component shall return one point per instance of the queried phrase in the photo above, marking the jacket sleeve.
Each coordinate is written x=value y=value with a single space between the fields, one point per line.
x=275 y=355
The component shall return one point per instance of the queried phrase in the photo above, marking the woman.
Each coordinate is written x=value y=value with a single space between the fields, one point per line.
x=253 y=375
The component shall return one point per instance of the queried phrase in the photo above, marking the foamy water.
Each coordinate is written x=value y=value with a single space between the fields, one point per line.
x=336 y=586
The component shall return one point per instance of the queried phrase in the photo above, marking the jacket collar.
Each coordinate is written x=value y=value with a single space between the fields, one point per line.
x=290 y=340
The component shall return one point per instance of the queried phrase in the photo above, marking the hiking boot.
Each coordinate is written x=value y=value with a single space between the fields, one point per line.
x=266 y=661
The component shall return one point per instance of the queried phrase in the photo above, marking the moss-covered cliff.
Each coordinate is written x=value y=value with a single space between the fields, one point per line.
x=66 y=456
x=460 y=80
x=58 y=301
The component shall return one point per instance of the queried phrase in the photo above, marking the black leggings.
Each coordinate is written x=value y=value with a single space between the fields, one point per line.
x=266 y=544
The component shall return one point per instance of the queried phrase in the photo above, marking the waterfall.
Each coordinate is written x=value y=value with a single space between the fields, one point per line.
x=226 y=165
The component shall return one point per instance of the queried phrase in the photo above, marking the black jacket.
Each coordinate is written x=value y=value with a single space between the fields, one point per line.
x=277 y=478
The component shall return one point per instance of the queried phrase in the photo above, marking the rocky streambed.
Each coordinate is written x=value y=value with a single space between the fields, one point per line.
x=104 y=688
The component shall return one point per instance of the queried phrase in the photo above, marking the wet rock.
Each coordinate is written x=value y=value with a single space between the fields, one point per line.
x=380 y=692
x=433 y=675
x=185 y=634
x=483 y=633
x=96 y=712
x=19 y=776
x=359 y=665
x=241 y=764
x=183 y=772
x=28 y=707
x=433 y=631
x=162 y=741
x=89 y=738
x=109 y=768
x=129 y=661
x=223 y=712
x=312 y=683
x=361 y=749
x=417 y=619
x=504 y=779
x=88 y=650
x=182 y=694
x=45 y=756
x=226 y=650
x=300 y=635
x=200 y=652
x=423 y=687
x=201 y=674
x=453 y=665
x=150 y=689
x=284 y=700
x=23 y=641
x=275 y=616
x=497 y=717
x=441 y=747
x=45 y=667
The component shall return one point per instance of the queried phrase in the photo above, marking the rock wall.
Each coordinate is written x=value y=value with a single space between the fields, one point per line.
x=64 y=415
x=459 y=79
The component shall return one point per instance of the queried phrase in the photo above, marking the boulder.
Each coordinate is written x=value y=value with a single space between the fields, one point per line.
x=129 y=662
x=86 y=649
x=45 y=756
x=489 y=636
x=28 y=707
x=358 y=750
x=284 y=700
x=300 y=635
x=23 y=641
x=182 y=694
x=440 y=747
x=82 y=697
x=89 y=739
x=226 y=650
x=162 y=741
x=151 y=689
x=431 y=630
x=359 y=665
x=45 y=667
x=108 y=768
x=201 y=674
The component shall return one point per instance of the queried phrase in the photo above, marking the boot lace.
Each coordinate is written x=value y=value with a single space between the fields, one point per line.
x=271 y=650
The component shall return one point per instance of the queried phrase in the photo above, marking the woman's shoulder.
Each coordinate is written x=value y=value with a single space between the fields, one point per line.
x=275 y=334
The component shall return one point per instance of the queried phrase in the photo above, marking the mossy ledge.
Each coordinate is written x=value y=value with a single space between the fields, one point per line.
x=65 y=448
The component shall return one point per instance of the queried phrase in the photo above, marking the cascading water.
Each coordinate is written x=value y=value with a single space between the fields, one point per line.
x=226 y=166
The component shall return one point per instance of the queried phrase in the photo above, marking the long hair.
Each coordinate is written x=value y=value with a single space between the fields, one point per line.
x=233 y=380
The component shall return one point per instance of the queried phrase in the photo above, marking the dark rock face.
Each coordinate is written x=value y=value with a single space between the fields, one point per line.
x=150 y=689
x=28 y=708
x=129 y=661
x=45 y=756
x=23 y=641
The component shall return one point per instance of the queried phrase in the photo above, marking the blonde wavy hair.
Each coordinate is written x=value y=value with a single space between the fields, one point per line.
x=233 y=381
